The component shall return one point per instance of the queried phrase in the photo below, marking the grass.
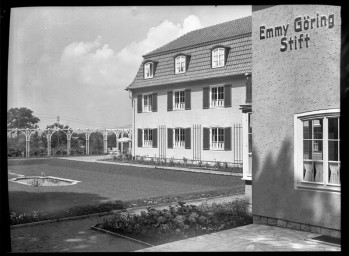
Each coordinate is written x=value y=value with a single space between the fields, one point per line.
x=102 y=185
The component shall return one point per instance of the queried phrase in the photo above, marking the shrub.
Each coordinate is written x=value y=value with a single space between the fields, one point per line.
x=177 y=222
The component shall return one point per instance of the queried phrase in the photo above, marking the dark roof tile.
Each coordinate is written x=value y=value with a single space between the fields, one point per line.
x=239 y=58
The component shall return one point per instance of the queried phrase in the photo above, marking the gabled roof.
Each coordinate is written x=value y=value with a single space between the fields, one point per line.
x=209 y=34
x=236 y=35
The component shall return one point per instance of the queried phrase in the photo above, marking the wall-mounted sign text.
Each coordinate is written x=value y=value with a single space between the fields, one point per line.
x=302 y=25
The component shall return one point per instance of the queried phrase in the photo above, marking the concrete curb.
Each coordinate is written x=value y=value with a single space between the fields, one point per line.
x=118 y=235
x=64 y=219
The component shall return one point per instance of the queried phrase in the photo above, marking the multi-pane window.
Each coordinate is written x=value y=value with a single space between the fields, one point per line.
x=320 y=150
x=179 y=138
x=179 y=100
x=217 y=96
x=147 y=102
x=218 y=58
x=217 y=138
x=148 y=70
x=180 y=64
x=147 y=137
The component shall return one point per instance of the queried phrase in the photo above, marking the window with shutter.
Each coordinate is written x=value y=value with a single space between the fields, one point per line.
x=217 y=96
x=169 y=137
x=206 y=138
x=187 y=138
x=179 y=138
x=187 y=99
x=148 y=138
x=179 y=100
x=206 y=97
x=169 y=101
x=147 y=102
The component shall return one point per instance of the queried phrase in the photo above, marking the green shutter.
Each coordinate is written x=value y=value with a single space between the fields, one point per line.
x=169 y=101
x=187 y=133
x=206 y=97
x=140 y=138
x=227 y=95
x=139 y=103
x=227 y=138
x=154 y=107
x=155 y=138
x=206 y=138
x=169 y=137
x=187 y=99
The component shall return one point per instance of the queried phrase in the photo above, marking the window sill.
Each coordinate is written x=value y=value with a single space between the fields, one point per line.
x=146 y=111
x=178 y=147
x=218 y=66
x=218 y=149
x=246 y=178
x=178 y=109
x=319 y=187
x=213 y=107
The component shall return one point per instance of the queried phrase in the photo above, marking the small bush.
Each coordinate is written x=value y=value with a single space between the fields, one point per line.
x=177 y=222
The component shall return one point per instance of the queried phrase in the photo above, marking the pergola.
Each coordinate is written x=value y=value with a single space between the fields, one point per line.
x=69 y=132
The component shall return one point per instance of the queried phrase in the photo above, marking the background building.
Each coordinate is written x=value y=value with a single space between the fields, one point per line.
x=186 y=95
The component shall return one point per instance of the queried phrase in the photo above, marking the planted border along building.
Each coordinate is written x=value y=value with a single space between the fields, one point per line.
x=187 y=94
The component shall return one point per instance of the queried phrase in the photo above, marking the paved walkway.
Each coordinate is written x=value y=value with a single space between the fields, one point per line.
x=254 y=237
x=76 y=236
x=95 y=159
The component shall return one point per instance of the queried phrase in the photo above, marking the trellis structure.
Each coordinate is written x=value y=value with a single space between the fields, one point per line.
x=69 y=132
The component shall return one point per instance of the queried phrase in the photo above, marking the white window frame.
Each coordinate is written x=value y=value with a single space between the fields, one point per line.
x=180 y=64
x=216 y=103
x=180 y=105
x=149 y=98
x=324 y=186
x=218 y=57
x=147 y=68
x=181 y=136
x=147 y=133
x=216 y=145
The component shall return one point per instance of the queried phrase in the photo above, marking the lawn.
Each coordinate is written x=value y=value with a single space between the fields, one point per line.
x=101 y=182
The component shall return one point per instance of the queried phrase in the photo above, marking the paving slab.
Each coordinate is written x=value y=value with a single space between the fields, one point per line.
x=68 y=236
x=254 y=237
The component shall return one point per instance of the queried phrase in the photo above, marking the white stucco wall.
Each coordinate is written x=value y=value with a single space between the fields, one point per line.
x=187 y=118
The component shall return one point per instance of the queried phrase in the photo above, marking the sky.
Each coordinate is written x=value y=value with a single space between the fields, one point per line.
x=75 y=62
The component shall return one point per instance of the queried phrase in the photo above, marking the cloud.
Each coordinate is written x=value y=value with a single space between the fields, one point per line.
x=95 y=63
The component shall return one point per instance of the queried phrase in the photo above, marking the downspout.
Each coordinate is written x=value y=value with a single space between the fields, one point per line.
x=134 y=124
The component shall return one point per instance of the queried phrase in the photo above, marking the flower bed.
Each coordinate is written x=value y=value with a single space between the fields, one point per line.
x=178 y=222
x=21 y=218
x=183 y=163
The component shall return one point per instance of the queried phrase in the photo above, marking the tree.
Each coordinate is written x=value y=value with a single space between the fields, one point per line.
x=21 y=118
x=58 y=139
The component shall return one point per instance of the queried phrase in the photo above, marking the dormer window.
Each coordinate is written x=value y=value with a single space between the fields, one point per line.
x=218 y=57
x=148 y=70
x=180 y=63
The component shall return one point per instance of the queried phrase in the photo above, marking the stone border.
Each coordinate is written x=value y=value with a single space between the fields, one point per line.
x=118 y=235
x=64 y=219
x=257 y=219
